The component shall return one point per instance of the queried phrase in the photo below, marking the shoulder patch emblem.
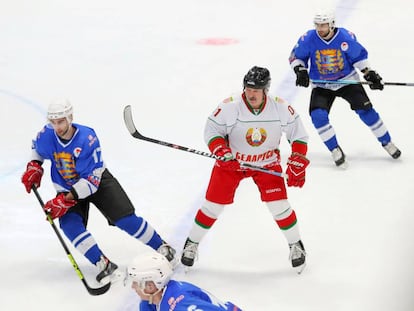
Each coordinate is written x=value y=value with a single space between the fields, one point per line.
x=280 y=100
x=228 y=100
x=344 y=46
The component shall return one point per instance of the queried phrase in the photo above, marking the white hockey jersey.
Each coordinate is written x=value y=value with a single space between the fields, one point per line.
x=254 y=135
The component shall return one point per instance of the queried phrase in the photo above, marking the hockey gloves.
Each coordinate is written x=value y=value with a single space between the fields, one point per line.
x=33 y=175
x=296 y=166
x=229 y=162
x=375 y=80
x=58 y=206
x=302 y=76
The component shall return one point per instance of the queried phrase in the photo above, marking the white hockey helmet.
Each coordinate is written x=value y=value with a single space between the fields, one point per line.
x=60 y=108
x=325 y=17
x=150 y=267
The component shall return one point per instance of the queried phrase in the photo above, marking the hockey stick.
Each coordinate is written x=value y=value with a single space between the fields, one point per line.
x=92 y=291
x=129 y=122
x=360 y=82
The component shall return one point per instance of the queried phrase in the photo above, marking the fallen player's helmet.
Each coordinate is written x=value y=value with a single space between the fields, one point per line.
x=150 y=267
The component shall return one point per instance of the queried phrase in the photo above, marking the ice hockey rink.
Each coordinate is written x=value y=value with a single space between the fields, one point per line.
x=173 y=62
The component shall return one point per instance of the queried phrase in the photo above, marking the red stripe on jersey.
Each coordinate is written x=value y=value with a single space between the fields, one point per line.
x=203 y=220
x=217 y=112
x=288 y=222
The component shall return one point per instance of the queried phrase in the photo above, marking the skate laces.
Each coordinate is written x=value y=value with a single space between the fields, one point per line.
x=296 y=251
x=106 y=268
x=190 y=250
x=391 y=148
x=102 y=264
x=167 y=251
x=337 y=154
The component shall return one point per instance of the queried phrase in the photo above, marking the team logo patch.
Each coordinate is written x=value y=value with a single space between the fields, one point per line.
x=256 y=136
x=344 y=46
x=66 y=167
x=77 y=151
x=329 y=61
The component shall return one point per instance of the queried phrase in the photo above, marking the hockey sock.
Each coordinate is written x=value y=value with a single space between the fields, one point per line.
x=140 y=229
x=372 y=119
x=202 y=223
x=320 y=120
x=205 y=219
x=73 y=227
x=285 y=218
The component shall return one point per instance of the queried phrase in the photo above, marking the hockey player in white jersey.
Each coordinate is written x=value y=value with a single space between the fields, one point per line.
x=248 y=127
x=332 y=53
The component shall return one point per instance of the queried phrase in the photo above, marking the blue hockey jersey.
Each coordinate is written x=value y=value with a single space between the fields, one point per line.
x=75 y=163
x=333 y=59
x=183 y=296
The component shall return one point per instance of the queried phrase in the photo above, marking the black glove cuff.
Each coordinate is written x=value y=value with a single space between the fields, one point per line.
x=298 y=68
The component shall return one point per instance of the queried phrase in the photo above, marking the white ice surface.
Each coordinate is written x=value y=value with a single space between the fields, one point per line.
x=103 y=55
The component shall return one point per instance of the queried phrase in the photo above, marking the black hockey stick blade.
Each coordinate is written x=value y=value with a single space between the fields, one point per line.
x=96 y=291
x=91 y=290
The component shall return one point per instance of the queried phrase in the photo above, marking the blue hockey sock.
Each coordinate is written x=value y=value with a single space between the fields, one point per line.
x=372 y=119
x=140 y=229
x=73 y=227
x=320 y=120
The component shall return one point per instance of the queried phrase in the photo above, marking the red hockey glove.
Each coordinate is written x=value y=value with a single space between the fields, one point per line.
x=296 y=166
x=32 y=176
x=58 y=206
x=229 y=163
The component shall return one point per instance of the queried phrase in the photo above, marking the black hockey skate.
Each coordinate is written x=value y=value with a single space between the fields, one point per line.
x=297 y=256
x=339 y=157
x=106 y=268
x=168 y=252
x=189 y=254
x=392 y=150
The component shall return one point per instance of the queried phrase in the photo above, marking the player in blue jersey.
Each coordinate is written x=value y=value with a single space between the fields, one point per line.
x=332 y=53
x=151 y=279
x=80 y=177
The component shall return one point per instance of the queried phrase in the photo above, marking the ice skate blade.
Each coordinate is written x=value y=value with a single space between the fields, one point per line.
x=187 y=270
x=343 y=166
x=174 y=263
x=299 y=269
x=117 y=276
